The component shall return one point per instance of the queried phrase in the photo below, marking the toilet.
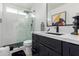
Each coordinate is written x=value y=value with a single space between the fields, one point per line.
x=28 y=47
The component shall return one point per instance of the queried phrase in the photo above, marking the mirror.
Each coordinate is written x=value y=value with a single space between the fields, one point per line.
x=55 y=18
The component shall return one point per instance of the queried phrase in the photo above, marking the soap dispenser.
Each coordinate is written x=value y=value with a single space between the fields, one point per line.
x=42 y=26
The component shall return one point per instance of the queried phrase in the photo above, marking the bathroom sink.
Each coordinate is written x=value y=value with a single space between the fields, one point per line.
x=55 y=33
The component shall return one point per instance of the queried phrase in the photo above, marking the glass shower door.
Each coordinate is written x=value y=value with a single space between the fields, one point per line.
x=15 y=25
x=24 y=27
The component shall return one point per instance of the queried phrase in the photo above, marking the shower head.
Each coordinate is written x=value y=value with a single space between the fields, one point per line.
x=29 y=11
x=26 y=11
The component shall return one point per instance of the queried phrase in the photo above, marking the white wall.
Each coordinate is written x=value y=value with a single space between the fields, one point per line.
x=40 y=13
x=71 y=9
x=0 y=22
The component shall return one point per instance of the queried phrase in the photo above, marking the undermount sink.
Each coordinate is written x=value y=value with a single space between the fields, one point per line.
x=55 y=33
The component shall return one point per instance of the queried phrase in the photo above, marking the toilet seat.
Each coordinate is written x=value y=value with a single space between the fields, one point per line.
x=27 y=43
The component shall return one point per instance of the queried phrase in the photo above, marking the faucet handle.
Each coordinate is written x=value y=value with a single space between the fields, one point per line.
x=48 y=29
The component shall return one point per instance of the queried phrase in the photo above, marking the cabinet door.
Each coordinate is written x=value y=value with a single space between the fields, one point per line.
x=70 y=49
x=74 y=50
x=35 y=45
x=54 y=44
x=66 y=49
x=43 y=50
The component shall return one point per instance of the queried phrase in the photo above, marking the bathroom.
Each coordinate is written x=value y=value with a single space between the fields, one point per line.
x=27 y=29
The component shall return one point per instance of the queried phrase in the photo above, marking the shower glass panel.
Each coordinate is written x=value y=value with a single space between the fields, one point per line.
x=15 y=25
x=23 y=27
x=18 y=25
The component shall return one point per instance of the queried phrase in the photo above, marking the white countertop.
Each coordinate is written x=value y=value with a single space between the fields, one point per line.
x=65 y=37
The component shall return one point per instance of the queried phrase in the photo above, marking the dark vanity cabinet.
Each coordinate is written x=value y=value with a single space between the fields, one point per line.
x=45 y=46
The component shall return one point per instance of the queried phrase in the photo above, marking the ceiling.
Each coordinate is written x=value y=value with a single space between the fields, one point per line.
x=30 y=5
x=53 y=5
x=24 y=5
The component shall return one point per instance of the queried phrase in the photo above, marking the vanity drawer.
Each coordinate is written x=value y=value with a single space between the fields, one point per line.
x=51 y=43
